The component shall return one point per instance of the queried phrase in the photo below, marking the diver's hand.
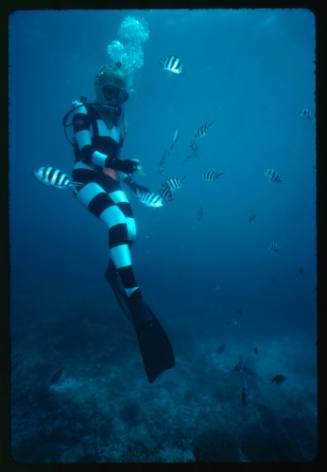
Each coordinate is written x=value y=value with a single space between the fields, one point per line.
x=128 y=166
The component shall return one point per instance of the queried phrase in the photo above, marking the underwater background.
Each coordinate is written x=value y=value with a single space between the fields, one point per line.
x=228 y=266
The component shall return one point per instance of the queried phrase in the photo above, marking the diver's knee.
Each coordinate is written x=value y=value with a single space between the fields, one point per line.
x=112 y=216
x=131 y=228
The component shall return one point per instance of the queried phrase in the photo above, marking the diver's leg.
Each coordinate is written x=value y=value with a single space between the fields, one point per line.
x=135 y=303
x=121 y=200
x=155 y=348
x=120 y=252
x=98 y=202
x=121 y=235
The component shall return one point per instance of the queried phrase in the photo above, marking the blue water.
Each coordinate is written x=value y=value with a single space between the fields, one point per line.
x=210 y=282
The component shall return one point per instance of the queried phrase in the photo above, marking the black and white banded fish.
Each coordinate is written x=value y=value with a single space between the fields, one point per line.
x=175 y=183
x=55 y=178
x=273 y=176
x=274 y=246
x=211 y=175
x=150 y=199
x=166 y=193
x=202 y=131
x=170 y=186
x=173 y=64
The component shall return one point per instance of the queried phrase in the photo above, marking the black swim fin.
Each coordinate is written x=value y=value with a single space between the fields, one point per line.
x=155 y=347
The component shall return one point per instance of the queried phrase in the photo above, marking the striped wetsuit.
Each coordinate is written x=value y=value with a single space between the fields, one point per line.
x=102 y=193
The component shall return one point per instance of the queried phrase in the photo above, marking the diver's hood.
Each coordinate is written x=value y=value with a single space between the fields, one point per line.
x=111 y=86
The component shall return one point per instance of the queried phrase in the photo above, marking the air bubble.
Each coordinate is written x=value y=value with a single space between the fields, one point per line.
x=127 y=50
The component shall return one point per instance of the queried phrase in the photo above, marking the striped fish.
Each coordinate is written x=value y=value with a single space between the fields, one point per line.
x=274 y=247
x=202 y=131
x=173 y=64
x=55 y=178
x=170 y=186
x=166 y=193
x=149 y=198
x=174 y=183
x=273 y=176
x=211 y=175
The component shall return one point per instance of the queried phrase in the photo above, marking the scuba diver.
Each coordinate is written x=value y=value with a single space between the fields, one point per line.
x=98 y=135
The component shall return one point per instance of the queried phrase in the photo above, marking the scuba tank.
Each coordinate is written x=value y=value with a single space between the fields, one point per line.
x=67 y=115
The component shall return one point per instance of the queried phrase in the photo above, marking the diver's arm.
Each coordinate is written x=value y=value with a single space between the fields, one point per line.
x=83 y=138
x=89 y=153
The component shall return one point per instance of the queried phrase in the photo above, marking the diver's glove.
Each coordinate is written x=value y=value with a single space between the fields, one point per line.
x=128 y=166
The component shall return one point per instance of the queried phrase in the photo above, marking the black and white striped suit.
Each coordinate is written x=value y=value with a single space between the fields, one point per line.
x=94 y=145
